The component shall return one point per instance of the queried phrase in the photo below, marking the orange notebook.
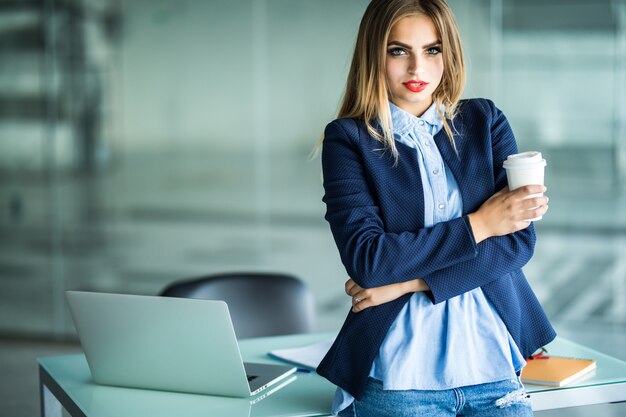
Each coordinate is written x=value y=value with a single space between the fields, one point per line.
x=556 y=371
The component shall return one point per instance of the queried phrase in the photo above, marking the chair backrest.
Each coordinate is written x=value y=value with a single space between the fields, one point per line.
x=260 y=304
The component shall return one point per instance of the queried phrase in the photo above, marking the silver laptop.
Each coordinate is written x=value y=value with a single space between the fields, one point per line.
x=166 y=343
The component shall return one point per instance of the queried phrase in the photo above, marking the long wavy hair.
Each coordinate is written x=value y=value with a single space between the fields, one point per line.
x=366 y=95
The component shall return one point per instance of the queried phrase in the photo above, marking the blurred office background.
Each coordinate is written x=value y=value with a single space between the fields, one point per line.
x=144 y=141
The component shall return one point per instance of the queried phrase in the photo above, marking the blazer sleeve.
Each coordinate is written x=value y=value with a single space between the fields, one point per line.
x=371 y=255
x=497 y=256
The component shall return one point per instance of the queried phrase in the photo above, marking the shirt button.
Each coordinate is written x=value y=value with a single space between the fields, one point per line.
x=435 y=171
x=428 y=144
x=442 y=206
x=421 y=123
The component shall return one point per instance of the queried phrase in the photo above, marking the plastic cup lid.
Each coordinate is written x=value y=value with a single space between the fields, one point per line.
x=524 y=160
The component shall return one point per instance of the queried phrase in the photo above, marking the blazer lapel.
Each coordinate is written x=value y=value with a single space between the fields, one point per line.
x=463 y=168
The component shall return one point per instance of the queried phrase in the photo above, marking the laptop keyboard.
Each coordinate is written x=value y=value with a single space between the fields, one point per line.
x=251 y=377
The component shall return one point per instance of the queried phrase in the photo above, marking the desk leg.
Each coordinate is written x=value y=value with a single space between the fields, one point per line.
x=50 y=405
x=54 y=402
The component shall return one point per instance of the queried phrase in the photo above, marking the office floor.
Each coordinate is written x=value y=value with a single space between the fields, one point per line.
x=151 y=220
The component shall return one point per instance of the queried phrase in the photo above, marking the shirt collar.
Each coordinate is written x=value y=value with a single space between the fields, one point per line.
x=403 y=121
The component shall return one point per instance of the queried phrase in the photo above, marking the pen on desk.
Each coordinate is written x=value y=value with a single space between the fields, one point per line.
x=541 y=355
x=303 y=370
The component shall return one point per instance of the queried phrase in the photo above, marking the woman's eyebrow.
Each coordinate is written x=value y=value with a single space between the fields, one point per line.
x=432 y=44
x=409 y=47
x=402 y=44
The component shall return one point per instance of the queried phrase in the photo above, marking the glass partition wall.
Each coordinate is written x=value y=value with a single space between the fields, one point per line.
x=143 y=142
x=56 y=130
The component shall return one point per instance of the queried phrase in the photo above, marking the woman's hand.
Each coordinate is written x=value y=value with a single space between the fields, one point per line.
x=508 y=211
x=363 y=298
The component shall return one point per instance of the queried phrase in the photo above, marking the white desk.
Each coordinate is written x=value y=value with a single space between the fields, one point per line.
x=606 y=384
x=65 y=383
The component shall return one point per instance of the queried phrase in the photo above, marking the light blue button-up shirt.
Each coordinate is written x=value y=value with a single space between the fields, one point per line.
x=458 y=342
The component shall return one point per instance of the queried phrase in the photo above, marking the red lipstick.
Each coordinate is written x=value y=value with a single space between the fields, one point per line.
x=415 y=85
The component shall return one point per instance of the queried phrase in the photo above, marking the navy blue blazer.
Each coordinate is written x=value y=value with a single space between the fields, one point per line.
x=375 y=209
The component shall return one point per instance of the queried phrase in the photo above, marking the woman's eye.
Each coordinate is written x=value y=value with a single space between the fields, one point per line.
x=433 y=51
x=397 y=52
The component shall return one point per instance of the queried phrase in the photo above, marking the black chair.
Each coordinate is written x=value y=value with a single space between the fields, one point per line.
x=260 y=304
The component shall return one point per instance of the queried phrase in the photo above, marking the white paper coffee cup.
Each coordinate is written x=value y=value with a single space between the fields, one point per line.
x=525 y=168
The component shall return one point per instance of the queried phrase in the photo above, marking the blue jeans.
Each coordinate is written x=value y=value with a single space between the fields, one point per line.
x=497 y=399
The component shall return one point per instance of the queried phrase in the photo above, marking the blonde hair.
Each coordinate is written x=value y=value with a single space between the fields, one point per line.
x=366 y=95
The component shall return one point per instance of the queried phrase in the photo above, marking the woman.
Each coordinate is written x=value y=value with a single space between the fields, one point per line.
x=416 y=197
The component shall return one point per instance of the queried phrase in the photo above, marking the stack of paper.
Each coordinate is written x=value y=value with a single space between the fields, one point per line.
x=308 y=356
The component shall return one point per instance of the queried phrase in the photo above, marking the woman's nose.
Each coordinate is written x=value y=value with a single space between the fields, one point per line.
x=416 y=66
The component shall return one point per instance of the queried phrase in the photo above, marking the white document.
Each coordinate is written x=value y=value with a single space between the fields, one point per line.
x=308 y=356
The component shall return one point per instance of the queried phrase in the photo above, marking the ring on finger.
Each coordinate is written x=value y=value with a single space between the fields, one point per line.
x=356 y=300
